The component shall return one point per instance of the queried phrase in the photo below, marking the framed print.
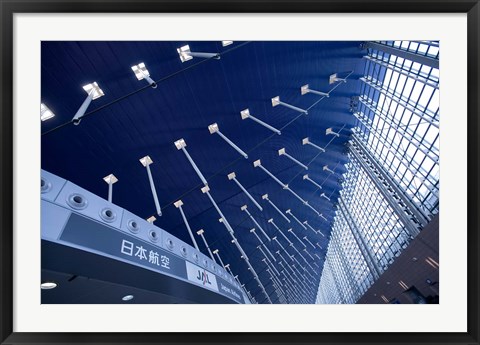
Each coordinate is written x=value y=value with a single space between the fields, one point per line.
x=279 y=186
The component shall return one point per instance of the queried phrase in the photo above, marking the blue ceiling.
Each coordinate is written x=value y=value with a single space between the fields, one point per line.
x=133 y=120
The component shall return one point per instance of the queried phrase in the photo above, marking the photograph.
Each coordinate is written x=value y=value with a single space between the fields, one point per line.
x=240 y=172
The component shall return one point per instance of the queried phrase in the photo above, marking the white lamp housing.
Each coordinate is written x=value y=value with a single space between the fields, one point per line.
x=245 y=114
x=334 y=78
x=141 y=73
x=329 y=131
x=184 y=53
x=45 y=112
x=305 y=89
x=94 y=89
x=276 y=101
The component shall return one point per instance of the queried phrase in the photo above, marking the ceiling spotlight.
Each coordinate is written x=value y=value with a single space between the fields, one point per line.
x=45 y=112
x=94 y=92
x=305 y=89
x=226 y=43
x=245 y=114
x=127 y=298
x=276 y=101
x=186 y=54
x=48 y=285
x=141 y=72
x=334 y=78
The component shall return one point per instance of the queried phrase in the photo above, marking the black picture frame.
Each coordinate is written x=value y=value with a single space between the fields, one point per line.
x=9 y=7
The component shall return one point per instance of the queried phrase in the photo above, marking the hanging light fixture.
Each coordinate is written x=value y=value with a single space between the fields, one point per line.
x=282 y=152
x=306 y=141
x=186 y=54
x=245 y=114
x=180 y=144
x=276 y=101
x=93 y=92
x=141 y=73
x=265 y=197
x=178 y=204
x=110 y=180
x=306 y=89
x=146 y=161
x=233 y=177
x=213 y=128
x=244 y=208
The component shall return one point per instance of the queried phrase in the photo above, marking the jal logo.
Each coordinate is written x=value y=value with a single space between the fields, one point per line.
x=203 y=277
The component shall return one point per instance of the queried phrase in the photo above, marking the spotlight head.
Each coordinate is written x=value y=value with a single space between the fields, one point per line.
x=265 y=196
x=180 y=143
x=178 y=203
x=245 y=113
x=140 y=71
x=199 y=232
x=184 y=53
x=274 y=238
x=93 y=87
x=205 y=189
x=257 y=163
x=289 y=211
x=146 y=161
x=275 y=101
x=231 y=176
x=45 y=112
x=305 y=177
x=252 y=230
x=213 y=128
x=215 y=251
x=270 y=220
x=110 y=179
x=151 y=219
x=226 y=43
x=281 y=151
x=243 y=208
x=305 y=141
x=304 y=89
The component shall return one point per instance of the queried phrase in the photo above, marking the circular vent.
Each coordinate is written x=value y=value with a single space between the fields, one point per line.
x=77 y=201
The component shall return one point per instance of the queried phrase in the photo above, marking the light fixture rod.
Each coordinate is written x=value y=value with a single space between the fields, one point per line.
x=239 y=150
x=276 y=208
x=199 y=173
x=204 y=55
x=311 y=228
x=273 y=176
x=247 y=193
x=296 y=219
x=290 y=230
x=263 y=244
x=83 y=108
x=188 y=228
x=316 y=146
x=306 y=239
x=276 y=101
x=206 y=245
x=295 y=161
x=266 y=125
x=219 y=258
x=256 y=223
x=154 y=191
x=312 y=181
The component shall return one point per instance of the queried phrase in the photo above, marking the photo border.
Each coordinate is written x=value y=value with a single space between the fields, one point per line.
x=9 y=8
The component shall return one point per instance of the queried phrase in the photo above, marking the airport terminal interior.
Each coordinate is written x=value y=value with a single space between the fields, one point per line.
x=240 y=172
